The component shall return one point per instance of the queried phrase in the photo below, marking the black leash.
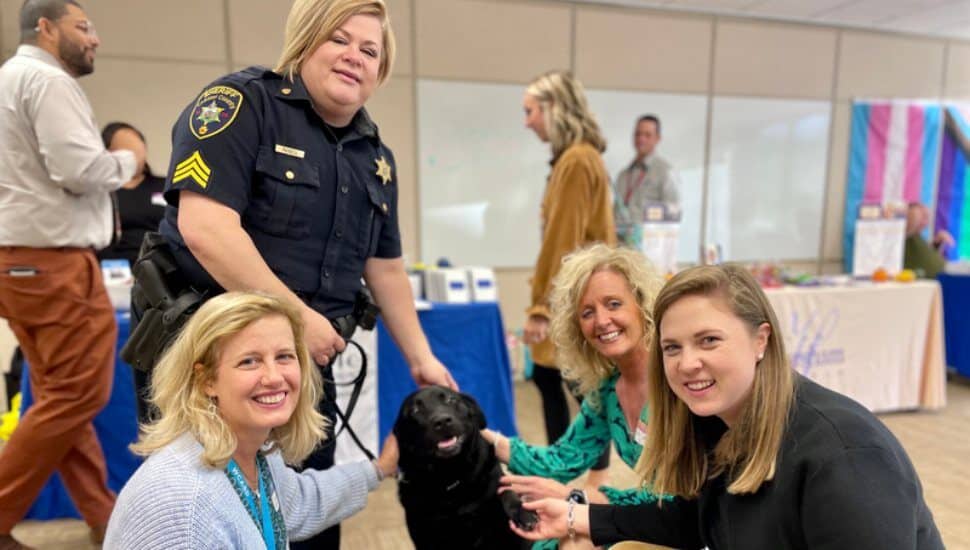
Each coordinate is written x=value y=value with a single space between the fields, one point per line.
x=358 y=384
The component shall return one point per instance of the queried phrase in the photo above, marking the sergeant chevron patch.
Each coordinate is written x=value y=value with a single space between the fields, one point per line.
x=193 y=168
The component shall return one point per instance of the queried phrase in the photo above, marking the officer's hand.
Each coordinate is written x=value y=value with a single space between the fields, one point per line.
x=433 y=372
x=322 y=340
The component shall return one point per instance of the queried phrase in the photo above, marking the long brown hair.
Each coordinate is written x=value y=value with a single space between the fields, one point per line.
x=674 y=459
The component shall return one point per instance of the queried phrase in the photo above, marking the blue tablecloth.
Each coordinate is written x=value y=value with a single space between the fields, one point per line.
x=117 y=427
x=469 y=339
x=956 y=320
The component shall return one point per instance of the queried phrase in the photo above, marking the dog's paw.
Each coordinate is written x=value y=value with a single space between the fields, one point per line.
x=523 y=519
x=526 y=519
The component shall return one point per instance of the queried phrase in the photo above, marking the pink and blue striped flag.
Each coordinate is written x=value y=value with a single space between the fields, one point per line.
x=953 y=194
x=892 y=158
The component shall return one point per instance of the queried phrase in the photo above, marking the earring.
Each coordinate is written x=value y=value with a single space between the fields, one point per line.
x=211 y=407
x=761 y=356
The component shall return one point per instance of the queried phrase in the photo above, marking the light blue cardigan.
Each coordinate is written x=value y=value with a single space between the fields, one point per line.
x=175 y=502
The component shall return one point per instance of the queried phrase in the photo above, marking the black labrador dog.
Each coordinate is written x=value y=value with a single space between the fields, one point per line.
x=449 y=476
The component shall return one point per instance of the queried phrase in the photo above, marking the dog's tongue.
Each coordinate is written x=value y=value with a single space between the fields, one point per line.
x=448 y=443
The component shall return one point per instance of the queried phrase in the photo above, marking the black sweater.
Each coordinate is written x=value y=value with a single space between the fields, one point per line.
x=843 y=481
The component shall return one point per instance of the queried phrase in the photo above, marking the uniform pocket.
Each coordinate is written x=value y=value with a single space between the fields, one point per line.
x=377 y=214
x=287 y=189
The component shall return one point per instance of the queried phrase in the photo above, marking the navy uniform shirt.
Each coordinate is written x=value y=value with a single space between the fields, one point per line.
x=316 y=204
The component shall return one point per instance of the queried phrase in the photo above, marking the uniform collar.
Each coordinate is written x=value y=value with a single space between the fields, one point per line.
x=362 y=123
x=40 y=54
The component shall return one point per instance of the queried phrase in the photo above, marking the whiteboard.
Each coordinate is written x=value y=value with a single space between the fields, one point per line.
x=767 y=177
x=482 y=173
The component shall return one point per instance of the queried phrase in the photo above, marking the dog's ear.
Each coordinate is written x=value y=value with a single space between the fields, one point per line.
x=478 y=417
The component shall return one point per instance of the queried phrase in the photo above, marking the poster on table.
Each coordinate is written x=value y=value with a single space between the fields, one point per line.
x=363 y=420
x=659 y=237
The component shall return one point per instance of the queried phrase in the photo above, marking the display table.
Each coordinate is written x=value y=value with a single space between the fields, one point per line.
x=880 y=344
x=468 y=339
x=956 y=319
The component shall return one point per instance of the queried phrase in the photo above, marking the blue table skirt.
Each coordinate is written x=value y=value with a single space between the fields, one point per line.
x=469 y=339
x=117 y=427
x=956 y=320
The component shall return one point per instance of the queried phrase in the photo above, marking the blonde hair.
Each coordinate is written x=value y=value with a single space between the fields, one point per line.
x=178 y=386
x=565 y=112
x=578 y=360
x=674 y=460
x=312 y=22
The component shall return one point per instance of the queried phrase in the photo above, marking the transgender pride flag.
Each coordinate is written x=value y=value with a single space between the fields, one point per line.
x=892 y=158
x=953 y=196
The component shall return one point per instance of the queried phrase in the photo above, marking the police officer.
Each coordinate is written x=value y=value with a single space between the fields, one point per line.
x=279 y=182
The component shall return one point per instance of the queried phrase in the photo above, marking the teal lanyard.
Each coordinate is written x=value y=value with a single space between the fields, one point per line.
x=246 y=494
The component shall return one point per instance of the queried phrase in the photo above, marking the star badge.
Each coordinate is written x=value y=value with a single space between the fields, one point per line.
x=210 y=113
x=383 y=170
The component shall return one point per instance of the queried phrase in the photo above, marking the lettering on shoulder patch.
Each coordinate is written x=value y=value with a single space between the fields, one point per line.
x=214 y=111
x=193 y=168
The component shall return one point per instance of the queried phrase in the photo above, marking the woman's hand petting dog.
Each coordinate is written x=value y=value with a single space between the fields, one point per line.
x=390 y=454
x=503 y=449
x=534 y=487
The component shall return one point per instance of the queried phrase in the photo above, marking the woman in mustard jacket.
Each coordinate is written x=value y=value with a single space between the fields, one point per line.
x=576 y=211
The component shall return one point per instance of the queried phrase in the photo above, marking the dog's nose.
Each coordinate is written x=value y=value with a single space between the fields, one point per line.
x=441 y=422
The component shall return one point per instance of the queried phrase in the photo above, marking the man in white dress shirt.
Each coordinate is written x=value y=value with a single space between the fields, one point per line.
x=55 y=184
x=649 y=179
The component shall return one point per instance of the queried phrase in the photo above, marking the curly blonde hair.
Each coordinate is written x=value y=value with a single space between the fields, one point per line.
x=578 y=360
x=565 y=111
x=312 y=22
x=179 y=380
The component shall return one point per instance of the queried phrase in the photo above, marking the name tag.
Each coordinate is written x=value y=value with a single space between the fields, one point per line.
x=641 y=434
x=284 y=150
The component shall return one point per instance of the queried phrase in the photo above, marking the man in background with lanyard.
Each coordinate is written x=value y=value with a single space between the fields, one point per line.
x=55 y=181
x=650 y=178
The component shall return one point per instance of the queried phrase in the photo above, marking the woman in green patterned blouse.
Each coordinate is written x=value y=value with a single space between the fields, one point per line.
x=601 y=324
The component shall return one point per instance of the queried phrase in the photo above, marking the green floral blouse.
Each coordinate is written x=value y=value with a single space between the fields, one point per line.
x=577 y=450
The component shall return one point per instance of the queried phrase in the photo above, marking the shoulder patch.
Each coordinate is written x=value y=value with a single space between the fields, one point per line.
x=214 y=111
x=194 y=168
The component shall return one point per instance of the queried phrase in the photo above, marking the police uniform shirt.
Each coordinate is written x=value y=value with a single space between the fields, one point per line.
x=316 y=205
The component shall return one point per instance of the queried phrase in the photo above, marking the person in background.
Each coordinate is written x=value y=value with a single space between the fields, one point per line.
x=280 y=182
x=55 y=183
x=602 y=301
x=575 y=211
x=236 y=394
x=925 y=258
x=650 y=178
x=140 y=202
x=753 y=454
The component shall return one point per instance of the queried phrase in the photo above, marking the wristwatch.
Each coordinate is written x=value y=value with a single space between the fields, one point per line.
x=577 y=496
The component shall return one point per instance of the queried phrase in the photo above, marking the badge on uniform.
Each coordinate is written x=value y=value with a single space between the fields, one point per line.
x=214 y=111
x=383 y=170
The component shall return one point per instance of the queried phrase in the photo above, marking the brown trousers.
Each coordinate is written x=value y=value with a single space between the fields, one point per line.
x=56 y=304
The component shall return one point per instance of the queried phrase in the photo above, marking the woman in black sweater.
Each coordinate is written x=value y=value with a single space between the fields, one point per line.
x=754 y=455
x=139 y=203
